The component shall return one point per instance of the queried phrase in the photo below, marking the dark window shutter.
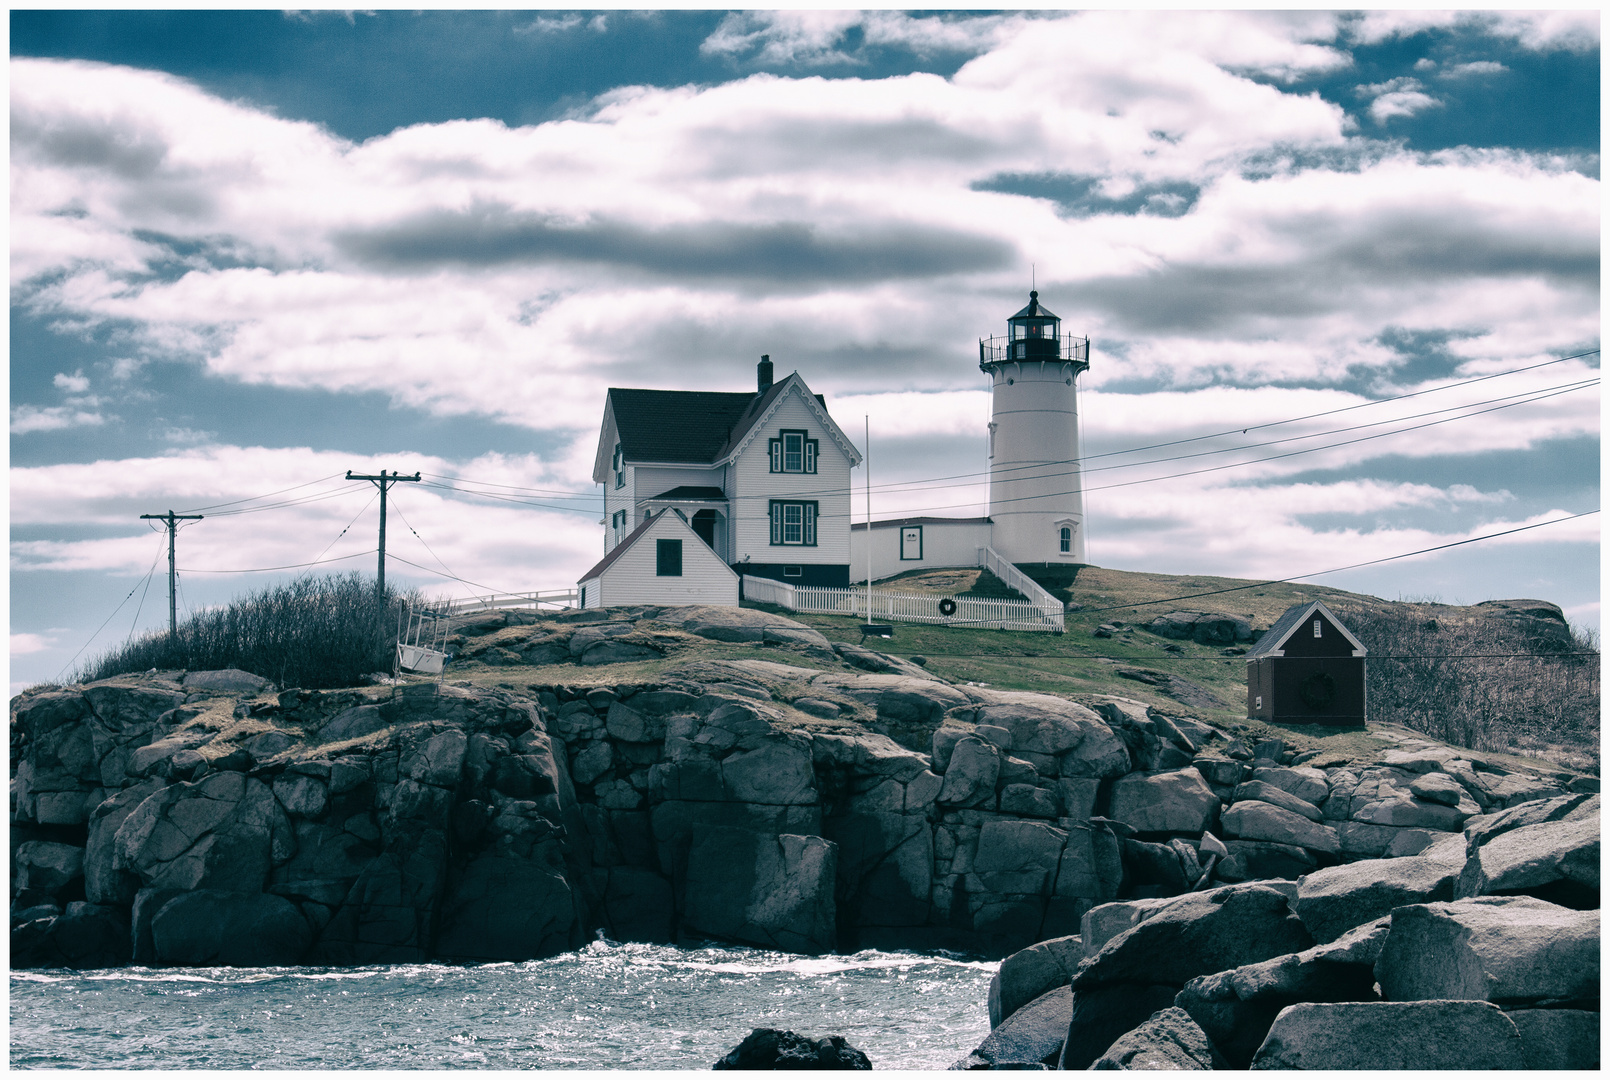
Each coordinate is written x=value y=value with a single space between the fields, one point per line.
x=668 y=558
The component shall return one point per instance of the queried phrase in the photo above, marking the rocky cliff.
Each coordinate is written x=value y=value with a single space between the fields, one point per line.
x=780 y=791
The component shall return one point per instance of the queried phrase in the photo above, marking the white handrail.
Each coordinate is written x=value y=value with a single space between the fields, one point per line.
x=493 y=601
x=975 y=612
x=996 y=563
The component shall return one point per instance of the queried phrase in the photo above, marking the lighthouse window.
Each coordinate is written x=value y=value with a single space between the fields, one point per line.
x=1066 y=544
x=793 y=523
x=792 y=452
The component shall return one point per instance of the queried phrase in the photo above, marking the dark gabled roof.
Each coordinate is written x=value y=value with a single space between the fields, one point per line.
x=688 y=493
x=675 y=425
x=687 y=425
x=892 y=523
x=620 y=549
x=1274 y=638
x=1034 y=310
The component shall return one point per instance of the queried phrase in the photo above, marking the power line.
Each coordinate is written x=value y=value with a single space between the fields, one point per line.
x=292 y=566
x=1257 y=427
x=343 y=532
x=428 y=548
x=450 y=577
x=146 y=579
x=254 y=498
x=1339 y=569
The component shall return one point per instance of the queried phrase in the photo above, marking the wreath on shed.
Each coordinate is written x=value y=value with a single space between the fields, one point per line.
x=1318 y=691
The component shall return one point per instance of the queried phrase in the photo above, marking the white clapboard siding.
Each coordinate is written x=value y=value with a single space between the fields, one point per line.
x=944 y=544
x=631 y=578
x=654 y=480
x=620 y=498
x=756 y=485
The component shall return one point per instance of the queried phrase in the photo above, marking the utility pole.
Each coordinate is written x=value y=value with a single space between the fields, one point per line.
x=172 y=521
x=383 y=481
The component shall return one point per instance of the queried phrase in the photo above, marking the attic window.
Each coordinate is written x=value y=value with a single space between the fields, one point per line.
x=1317 y=625
x=620 y=473
x=792 y=452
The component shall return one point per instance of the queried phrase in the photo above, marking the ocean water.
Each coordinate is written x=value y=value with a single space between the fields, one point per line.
x=606 y=1006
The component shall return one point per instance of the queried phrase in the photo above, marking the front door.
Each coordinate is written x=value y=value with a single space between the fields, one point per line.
x=911 y=543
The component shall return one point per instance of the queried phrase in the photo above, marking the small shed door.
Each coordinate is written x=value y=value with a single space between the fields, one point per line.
x=911 y=543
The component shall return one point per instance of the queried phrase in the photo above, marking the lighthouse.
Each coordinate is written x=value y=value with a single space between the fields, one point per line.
x=1036 y=491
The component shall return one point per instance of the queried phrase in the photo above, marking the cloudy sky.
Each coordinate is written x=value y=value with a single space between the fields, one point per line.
x=1340 y=272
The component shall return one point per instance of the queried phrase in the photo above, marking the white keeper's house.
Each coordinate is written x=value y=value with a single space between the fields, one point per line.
x=702 y=487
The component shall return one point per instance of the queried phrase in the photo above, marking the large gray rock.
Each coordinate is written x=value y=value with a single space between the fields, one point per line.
x=1169 y=1041
x=1266 y=792
x=1555 y=860
x=1255 y=820
x=1333 y=900
x=769 y=1048
x=1513 y=951
x=1166 y=802
x=212 y=927
x=771 y=891
x=1377 y=1035
x=1202 y=627
x=973 y=769
x=1104 y=1014
x=47 y=867
x=85 y=936
x=1197 y=935
x=1046 y=726
x=1236 y=1007
x=1307 y=784
x=1560 y=808
x=1033 y=971
x=1258 y=860
x=104 y=883
x=1017 y=856
x=500 y=908
x=225 y=832
x=225 y=681
x=1558 y=1038
x=776 y=773
x=1031 y=1035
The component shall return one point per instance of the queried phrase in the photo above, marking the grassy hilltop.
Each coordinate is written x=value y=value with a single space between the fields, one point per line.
x=1503 y=676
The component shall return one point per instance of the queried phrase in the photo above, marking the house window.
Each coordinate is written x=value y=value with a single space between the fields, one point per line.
x=791 y=451
x=793 y=571
x=1065 y=541
x=668 y=558
x=619 y=521
x=620 y=470
x=793 y=523
x=1316 y=627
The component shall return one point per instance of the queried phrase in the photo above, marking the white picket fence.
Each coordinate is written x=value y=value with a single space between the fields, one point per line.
x=557 y=598
x=971 y=611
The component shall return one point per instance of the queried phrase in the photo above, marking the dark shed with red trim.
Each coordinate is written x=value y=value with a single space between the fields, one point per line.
x=1307 y=668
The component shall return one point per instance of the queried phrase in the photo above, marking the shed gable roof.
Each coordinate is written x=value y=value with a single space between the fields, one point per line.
x=1273 y=642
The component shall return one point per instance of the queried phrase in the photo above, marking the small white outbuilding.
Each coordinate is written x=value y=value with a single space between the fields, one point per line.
x=662 y=561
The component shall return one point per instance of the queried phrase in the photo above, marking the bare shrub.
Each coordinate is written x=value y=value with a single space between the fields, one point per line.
x=1483 y=680
x=318 y=633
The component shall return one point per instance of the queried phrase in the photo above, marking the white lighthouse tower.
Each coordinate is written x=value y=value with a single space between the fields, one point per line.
x=1036 y=492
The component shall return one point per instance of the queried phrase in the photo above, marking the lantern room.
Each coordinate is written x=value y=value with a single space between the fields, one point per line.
x=1034 y=334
